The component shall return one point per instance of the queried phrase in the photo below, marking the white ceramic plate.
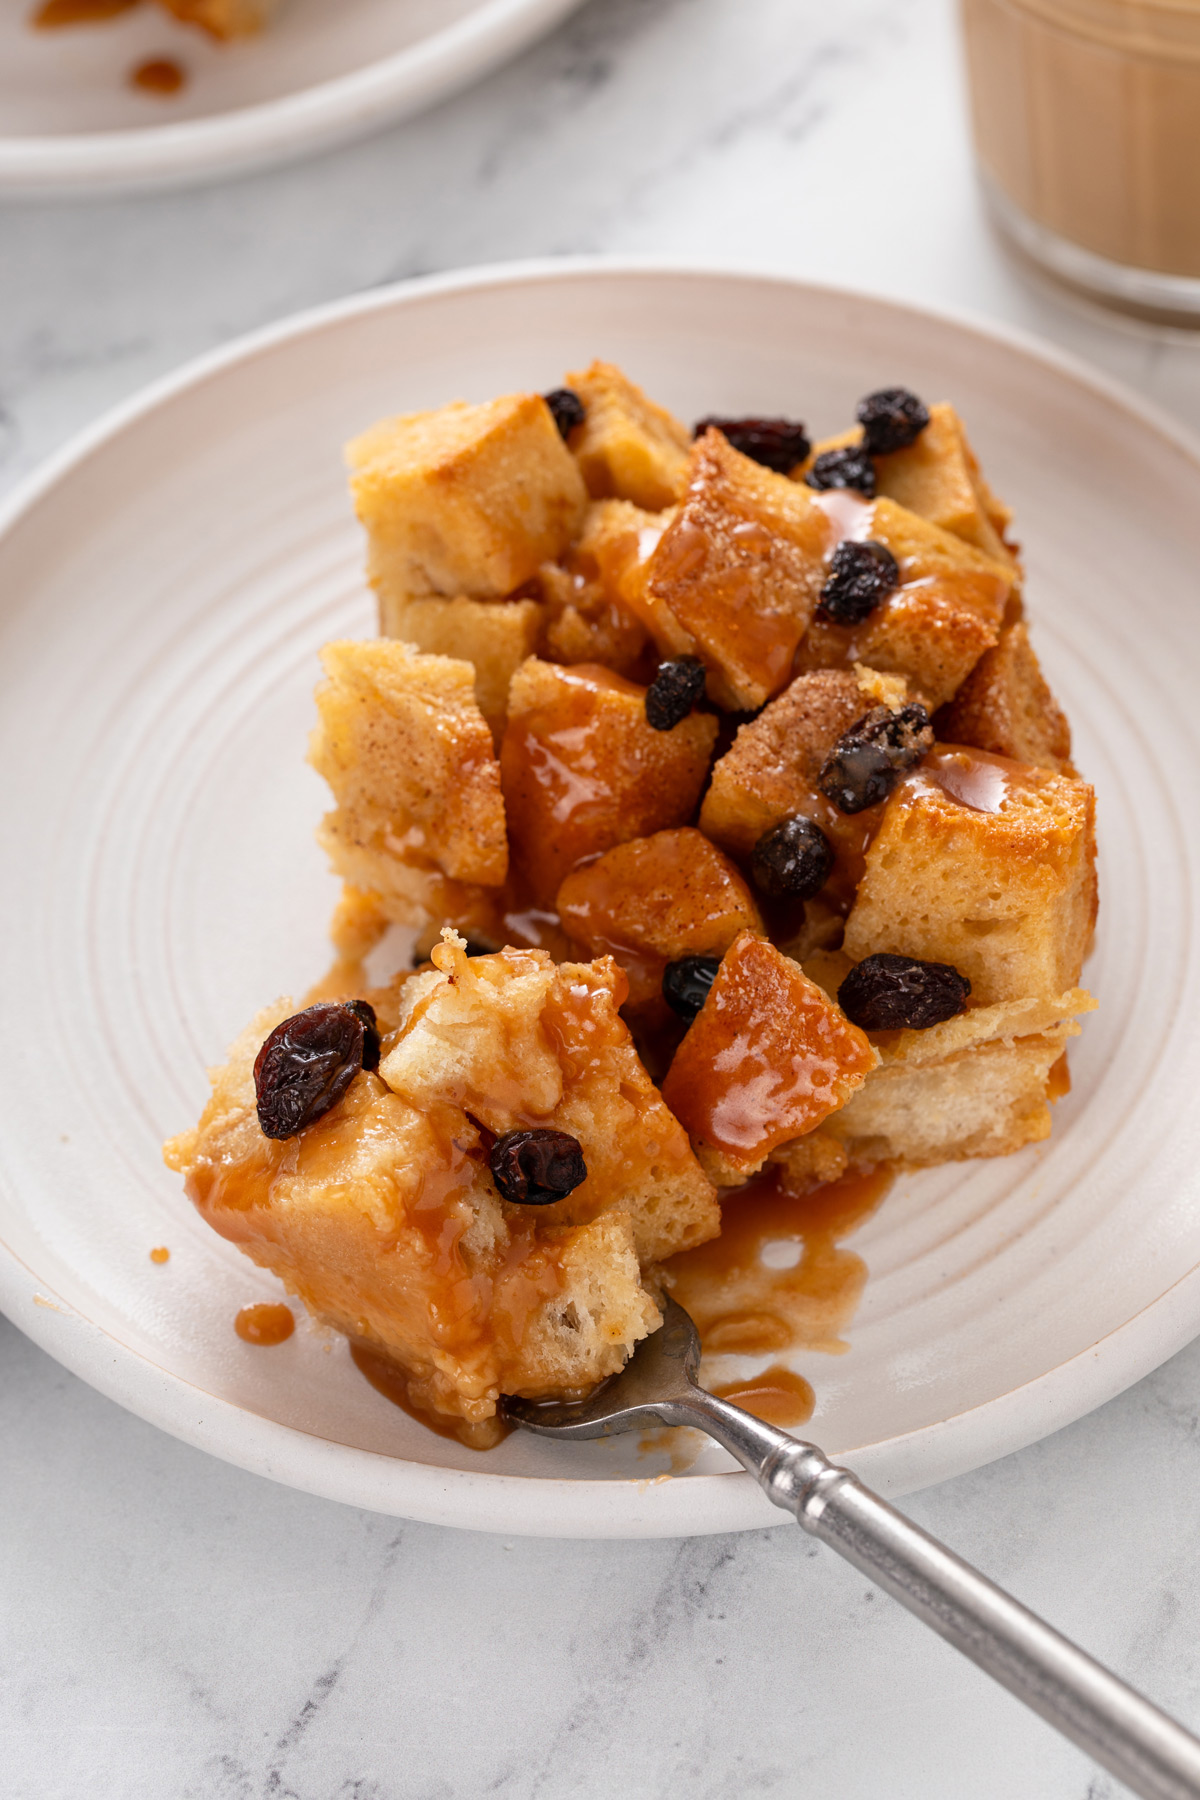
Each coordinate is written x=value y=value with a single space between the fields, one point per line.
x=326 y=70
x=164 y=588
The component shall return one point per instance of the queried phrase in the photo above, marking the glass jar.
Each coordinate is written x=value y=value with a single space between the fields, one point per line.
x=1087 y=126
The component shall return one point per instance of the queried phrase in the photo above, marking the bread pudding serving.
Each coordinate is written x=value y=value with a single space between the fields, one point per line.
x=715 y=776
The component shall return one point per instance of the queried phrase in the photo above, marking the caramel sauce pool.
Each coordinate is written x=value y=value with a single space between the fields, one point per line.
x=264 y=1324
x=778 y=1396
x=778 y=1277
x=160 y=75
x=52 y=15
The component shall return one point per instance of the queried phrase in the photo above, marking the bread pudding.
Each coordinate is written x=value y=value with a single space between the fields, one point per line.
x=735 y=826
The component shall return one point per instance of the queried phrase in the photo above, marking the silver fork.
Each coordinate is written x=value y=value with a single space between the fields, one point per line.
x=1145 y=1748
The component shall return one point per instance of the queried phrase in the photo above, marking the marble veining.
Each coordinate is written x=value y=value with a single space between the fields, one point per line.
x=172 y=1629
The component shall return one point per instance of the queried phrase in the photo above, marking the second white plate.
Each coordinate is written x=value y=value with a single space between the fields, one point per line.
x=163 y=593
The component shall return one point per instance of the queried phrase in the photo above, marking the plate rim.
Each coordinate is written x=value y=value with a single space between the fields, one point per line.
x=480 y=1499
x=324 y=114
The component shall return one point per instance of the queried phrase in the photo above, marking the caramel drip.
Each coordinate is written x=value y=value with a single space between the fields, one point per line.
x=160 y=75
x=264 y=1324
x=778 y=1396
x=743 y=1306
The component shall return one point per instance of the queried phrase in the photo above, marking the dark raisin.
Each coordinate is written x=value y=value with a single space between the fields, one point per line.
x=674 y=691
x=892 y=419
x=860 y=576
x=778 y=444
x=306 y=1065
x=794 y=857
x=867 y=761
x=901 y=993
x=848 y=468
x=568 y=409
x=537 y=1167
x=362 y=1009
x=686 y=984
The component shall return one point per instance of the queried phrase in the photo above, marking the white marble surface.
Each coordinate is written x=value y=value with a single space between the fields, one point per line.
x=175 y=1630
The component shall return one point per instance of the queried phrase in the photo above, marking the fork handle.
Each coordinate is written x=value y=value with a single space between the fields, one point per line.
x=1142 y=1746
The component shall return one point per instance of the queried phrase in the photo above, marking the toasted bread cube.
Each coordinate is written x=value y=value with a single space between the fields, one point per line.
x=769 y=773
x=590 y=619
x=767 y=1058
x=979 y=1085
x=409 y=758
x=938 y=477
x=737 y=573
x=810 y=1162
x=582 y=770
x=383 y=1219
x=1005 y=706
x=224 y=18
x=627 y=447
x=935 y=626
x=464 y=500
x=986 y=864
x=516 y=1040
x=653 y=900
x=495 y=636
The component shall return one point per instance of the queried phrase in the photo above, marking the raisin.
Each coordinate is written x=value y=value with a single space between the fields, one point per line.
x=686 y=983
x=867 y=761
x=306 y=1065
x=892 y=419
x=848 y=468
x=861 y=575
x=674 y=691
x=794 y=857
x=362 y=1009
x=568 y=409
x=778 y=444
x=536 y=1167
x=901 y=993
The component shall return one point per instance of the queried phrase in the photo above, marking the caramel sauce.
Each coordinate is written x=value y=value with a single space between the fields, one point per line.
x=778 y=1396
x=849 y=515
x=974 y=778
x=390 y=1380
x=744 y=1306
x=1058 y=1082
x=160 y=75
x=264 y=1324
x=53 y=15
x=160 y=1254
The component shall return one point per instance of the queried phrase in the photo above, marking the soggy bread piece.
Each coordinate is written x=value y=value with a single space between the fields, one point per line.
x=409 y=757
x=627 y=447
x=767 y=1058
x=655 y=899
x=736 y=575
x=464 y=500
x=986 y=864
x=383 y=1218
x=1005 y=706
x=583 y=770
x=494 y=636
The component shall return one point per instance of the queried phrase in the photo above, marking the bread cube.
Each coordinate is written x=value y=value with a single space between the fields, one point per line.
x=1005 y=706
x=582 y=770
x=409 y=757
x=517 y=1040
x=938 y=477
x=986 y=864
x=653 y=900
x=979 y=1085
x=589 y=617
x=627 y=447
x=495 y=636
x=768 y=1057
x=737 y=573
x=932 y=628
x=769 y=772
x=465 y=500
x=224 y=18
x=382 y=1216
